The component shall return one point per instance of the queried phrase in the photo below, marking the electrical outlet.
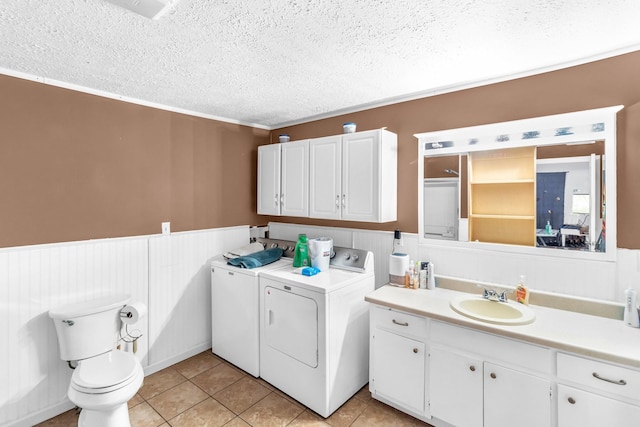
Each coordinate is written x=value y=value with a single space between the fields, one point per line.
x=397 y=238
x=166 y=228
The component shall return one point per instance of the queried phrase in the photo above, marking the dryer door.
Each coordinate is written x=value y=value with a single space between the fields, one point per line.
x=291 y=325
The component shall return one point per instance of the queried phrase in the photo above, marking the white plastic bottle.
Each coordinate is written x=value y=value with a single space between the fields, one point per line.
x=431 y=280
x=631 y=309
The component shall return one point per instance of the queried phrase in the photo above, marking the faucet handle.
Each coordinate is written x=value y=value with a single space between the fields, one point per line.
x=493 y=295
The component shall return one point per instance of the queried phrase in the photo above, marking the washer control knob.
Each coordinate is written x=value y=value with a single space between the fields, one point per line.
x=347 y=256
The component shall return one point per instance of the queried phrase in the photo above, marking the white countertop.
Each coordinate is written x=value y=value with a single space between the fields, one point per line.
x=588 y=335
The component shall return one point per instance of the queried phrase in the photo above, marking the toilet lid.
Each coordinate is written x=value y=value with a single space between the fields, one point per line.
x=106 y=372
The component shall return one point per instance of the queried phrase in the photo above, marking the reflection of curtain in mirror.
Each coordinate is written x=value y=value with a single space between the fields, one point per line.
x=550 y=197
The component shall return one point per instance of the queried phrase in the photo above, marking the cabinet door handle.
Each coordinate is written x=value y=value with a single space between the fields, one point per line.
x=492 y=375
x=571 y=400
x=344 y=200
x=337 y=200
x=400 y=323
x=472 y=368
x=415 y=350
x=617 y=382
x=282 y=199
x=275 y=201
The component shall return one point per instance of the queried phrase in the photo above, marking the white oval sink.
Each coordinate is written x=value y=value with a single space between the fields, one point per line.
x=502 y=313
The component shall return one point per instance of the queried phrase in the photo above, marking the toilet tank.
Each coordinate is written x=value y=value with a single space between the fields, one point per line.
x=88 y=328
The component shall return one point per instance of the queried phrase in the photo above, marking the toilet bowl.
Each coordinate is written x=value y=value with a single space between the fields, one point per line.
x=105 y=378
x=103 y=385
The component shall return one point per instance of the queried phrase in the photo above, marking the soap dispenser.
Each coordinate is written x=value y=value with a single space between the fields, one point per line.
x=522 y=292
x=630 y=309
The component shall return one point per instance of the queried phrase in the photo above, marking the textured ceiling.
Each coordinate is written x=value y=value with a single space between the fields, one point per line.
x=276 y=62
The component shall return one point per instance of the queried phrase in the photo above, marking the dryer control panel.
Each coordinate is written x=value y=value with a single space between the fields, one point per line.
x=352 y=259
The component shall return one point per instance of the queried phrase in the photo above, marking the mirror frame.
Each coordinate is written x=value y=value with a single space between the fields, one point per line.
x=568 y=128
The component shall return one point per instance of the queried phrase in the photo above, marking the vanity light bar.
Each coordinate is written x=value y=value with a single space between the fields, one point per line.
x=557 y=129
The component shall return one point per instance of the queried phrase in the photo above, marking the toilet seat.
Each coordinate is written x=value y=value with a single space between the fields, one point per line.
x=105 y=373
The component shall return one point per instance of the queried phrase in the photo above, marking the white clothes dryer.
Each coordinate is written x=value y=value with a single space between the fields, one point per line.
x=314 y=334
x=235 y=309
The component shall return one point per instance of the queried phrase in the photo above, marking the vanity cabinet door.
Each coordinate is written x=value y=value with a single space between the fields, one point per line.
x=455 y=388
x=581 y=408
x=516 y=398
x=398 y=369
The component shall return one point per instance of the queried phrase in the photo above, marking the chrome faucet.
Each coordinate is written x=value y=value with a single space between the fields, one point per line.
x=493 y=295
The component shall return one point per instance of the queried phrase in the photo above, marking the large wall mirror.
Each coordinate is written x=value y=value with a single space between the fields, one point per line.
x=533 y=186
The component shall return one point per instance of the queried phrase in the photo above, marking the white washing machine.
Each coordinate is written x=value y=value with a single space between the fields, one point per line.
x=314 y=334
x=235 y=295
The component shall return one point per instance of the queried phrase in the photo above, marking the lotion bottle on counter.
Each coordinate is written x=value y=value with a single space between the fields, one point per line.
x=431 y=279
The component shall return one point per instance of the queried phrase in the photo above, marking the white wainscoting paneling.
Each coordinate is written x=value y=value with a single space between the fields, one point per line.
x=180 y=291
x=170 y=274
x=34 y=279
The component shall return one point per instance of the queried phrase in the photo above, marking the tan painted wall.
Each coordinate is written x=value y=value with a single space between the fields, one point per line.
x=75 y=166
x=598 y=84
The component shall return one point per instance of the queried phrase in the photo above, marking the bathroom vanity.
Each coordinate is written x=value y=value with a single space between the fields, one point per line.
x=564 y=369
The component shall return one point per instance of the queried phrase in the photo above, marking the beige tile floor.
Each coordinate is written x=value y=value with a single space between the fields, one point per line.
x=206 y=391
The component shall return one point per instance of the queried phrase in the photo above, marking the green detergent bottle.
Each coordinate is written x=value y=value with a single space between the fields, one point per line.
x=301 y=254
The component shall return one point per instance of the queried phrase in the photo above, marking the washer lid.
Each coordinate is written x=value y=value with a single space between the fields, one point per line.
x=105 y=372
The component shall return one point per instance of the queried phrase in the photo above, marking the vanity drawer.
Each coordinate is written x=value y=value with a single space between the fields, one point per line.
x=400 y=322
x=599 y=375
x=506 y=350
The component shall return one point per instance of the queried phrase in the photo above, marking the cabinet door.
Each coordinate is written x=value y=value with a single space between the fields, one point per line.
x=584 y=409
x=455 y=388
x=269 y=179
x=360 y=174
x=398 y=369
x=325 y=177
x=515 y=398
x=295 y=179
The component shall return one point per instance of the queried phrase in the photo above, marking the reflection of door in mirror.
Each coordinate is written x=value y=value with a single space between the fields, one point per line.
x=441 y=208
x=441 y=200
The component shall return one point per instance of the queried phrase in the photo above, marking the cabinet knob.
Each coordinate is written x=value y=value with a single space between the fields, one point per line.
x=492 y=375
x=472 y=368
x=572 y=400
x=415 y=350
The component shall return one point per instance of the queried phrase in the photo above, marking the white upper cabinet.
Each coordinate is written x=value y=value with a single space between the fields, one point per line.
x=283 y=179
x=354 y=176
x=325 y=177
x=351 y=177
x=269 y=179
x=294 y=185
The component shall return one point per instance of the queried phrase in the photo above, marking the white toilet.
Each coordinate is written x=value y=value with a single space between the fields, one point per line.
x=105 y=378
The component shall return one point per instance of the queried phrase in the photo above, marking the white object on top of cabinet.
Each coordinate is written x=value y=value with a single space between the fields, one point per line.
x=283 y=179
x=354 y=176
